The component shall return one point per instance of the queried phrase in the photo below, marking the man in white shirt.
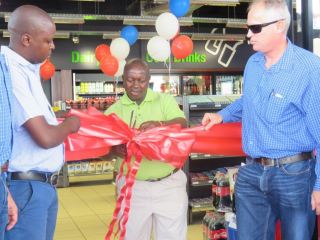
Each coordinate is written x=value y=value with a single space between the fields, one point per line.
x=37 y=152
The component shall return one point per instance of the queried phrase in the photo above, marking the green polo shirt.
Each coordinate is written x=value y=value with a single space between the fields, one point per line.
x=155 y=107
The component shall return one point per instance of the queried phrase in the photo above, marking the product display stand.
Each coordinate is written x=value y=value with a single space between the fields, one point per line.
x=199 y=167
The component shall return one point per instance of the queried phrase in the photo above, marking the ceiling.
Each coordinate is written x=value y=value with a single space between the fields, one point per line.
x=105 y=18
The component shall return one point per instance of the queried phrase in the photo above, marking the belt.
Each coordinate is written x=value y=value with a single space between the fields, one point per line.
x=161 y=178
x=51 y=178
x=270 y=162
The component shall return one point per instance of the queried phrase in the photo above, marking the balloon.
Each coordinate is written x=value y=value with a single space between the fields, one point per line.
x=47 y=69
x=182 y=46
x=109 y=65
x=179 y=7
x=119 y=48
x=158 y=48
x=119 y=73
x=102 y=50
x=167 y=25
x=130 y=33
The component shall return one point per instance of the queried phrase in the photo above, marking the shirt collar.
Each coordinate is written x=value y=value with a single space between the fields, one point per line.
x=10 y=54
x=149 y=97
x=285 y=62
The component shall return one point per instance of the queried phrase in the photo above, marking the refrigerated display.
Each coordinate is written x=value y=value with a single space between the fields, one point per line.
x=228 y=84
x=197 y=85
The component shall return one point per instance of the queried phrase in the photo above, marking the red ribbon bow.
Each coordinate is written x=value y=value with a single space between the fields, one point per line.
x=169 y=144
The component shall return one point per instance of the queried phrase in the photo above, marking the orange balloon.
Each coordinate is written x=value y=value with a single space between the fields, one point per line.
x=102 y=51
x=182 y=46
x=109 y=65
x=47 y=70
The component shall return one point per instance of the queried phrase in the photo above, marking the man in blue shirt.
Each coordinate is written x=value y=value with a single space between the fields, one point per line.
x=280 y=113
x=8 y=209
x=37 y=152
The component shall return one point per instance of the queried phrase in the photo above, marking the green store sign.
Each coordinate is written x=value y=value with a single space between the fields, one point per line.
x=192 y=58
x=88 y=57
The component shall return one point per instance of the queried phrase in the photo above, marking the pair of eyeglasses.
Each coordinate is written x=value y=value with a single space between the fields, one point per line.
x=257 y=28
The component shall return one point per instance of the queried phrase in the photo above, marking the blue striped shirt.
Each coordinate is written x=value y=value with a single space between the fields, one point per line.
x=5 y=112
x=280 y=106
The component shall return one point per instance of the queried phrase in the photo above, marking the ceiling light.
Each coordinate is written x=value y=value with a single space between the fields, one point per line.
x=236 y=23
x=110 y=35
x=62 y=34
x=212 y=36
x=5 y=34
x=67 y=18
x=58 y=34
x=59 y=18
x=151 y=20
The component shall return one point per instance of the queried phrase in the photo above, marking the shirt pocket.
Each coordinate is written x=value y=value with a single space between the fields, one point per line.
x=275 y=108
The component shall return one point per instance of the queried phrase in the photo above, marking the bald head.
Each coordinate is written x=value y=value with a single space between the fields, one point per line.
x=31 y=33
x=137 y=62
x=27 y=19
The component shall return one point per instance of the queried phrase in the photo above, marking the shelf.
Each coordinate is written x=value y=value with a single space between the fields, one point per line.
x=207 y=106
x=200 y=208
x=98 y=81
x=201 y=183
x=199 y=156
x=90 y=174
x=98 y=94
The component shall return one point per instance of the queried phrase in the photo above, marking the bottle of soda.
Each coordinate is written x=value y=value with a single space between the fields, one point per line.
x=205 y=224
x=214 y=192
x=223 y=193
x=216 y=229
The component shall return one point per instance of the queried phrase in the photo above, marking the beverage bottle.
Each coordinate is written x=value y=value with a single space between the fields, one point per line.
x=205 y=224
x=214 y=192
x=216 y=230
x=223 y=193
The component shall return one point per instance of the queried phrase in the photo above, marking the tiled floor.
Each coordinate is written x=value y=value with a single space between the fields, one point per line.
x=86 y=207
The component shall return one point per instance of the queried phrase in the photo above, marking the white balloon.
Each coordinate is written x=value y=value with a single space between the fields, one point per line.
x=119 y=48
x=167 y=25
x=119 y=73
x=158 y=48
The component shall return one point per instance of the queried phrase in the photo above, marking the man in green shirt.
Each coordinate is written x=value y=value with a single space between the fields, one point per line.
x=159 y=200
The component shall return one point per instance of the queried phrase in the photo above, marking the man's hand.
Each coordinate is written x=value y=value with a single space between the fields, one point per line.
x=12 y=212
x=73 y=122
x=210 y=119
x=149 y=124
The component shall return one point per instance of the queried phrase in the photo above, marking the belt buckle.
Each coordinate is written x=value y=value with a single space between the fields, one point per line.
x=267 y=162
x=54 y=179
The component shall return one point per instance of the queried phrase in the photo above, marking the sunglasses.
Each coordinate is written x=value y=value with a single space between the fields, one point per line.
x=256 y=28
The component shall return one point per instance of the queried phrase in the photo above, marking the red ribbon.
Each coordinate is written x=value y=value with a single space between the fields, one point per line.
x=169 y=144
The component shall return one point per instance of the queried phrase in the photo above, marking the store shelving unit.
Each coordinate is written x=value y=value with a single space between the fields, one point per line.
x=95 y=85
x=199 y=192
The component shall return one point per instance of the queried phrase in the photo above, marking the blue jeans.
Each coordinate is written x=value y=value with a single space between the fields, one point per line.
x=266 y=194
x=3 y=207
x=37 y=203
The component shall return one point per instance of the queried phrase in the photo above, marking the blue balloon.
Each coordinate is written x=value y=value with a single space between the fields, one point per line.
x=130 y=33
x=179 y=7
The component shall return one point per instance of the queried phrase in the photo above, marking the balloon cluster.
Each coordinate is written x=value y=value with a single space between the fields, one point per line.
x=167 y=26
x=112 y=59
x=47 y=69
